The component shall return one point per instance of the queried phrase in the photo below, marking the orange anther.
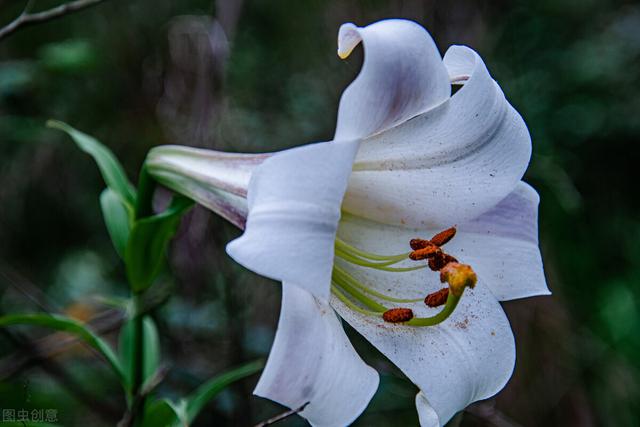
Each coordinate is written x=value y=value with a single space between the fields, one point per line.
x=437 y=298
x=397 y=315
x=424 y=253
x=444 y=236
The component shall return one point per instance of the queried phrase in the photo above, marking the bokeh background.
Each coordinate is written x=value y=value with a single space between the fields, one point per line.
x=260 y=75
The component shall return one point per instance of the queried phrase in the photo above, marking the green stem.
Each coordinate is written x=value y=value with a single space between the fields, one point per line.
x=353 y=281
x=138 y=360
x=146 y=187
x=144 y=207
x=450 y=306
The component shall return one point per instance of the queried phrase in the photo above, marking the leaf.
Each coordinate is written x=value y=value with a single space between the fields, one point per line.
x=165 y=413
x=117 y=217
x=148 y=243
x=110 y=168
x=207 y=391
x=65 y=324
x=151 y=345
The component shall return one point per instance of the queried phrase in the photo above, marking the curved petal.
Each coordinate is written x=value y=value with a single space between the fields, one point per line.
x=313 y=361
x=447 y=165
x=468 y=357
x=294 y=207
x=214 y=179
x=402 y=76
x=502 y=246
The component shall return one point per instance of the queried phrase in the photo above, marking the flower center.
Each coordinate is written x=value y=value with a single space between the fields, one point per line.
x=363 y=299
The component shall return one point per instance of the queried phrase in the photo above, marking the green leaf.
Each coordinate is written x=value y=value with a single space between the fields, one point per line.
x=165 y=413
x=117 y=217
x=110 y=168
x=65 y=324
x=151 y=345
x=148 y=243
x=207 y=391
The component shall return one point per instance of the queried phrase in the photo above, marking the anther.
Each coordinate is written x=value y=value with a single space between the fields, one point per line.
x=444 y=236
x=437 y=298
x=419 y=244
x=397 y=315
x=458 y=276
x=427 y=252
x=439 y=260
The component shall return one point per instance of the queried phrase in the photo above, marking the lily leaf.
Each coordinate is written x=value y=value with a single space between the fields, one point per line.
x=207 y=391
x=117 y=217
x=151 y=345
x=148 y=242
x=112 y=171
x=166 y=413
x=71 y=326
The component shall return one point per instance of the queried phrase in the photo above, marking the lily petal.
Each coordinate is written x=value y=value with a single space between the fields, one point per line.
x=448 y=165
x=468 y=357
x=502 y=246
x=214 y=179
x=294 y=207
x=313 y=361
x=402 y=76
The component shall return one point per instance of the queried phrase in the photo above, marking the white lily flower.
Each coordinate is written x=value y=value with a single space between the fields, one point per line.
x=408 y=160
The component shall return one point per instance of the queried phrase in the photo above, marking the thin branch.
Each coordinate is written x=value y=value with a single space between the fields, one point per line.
x=27 y=18
x=281 y=416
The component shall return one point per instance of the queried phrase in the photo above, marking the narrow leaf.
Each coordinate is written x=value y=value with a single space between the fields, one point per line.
x=151 y=345
x=148 y=242
x=110 y=168
x=165 y=413
x=207 y=391
x=117 y=217
x=71 y=326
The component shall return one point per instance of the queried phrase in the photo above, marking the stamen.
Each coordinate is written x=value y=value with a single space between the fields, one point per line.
x=438 y=298
x=342 y=297
x=345 y=247
x=444 y=236
x=458 y=276
x=439 y=260
x=424 y=253
x=354 y=282
x=339 y=279
x=398 y=315
x=419 y=244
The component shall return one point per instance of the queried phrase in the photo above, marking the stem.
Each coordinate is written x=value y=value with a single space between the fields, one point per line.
x=138 y=362
x=144 y=207
x=146 y=187
x=452 y=302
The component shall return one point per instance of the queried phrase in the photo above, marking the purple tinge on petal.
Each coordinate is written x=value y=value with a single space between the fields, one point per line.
x=401 y=77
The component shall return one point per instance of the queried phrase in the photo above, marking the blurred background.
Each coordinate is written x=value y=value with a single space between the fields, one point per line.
x=260 y=75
